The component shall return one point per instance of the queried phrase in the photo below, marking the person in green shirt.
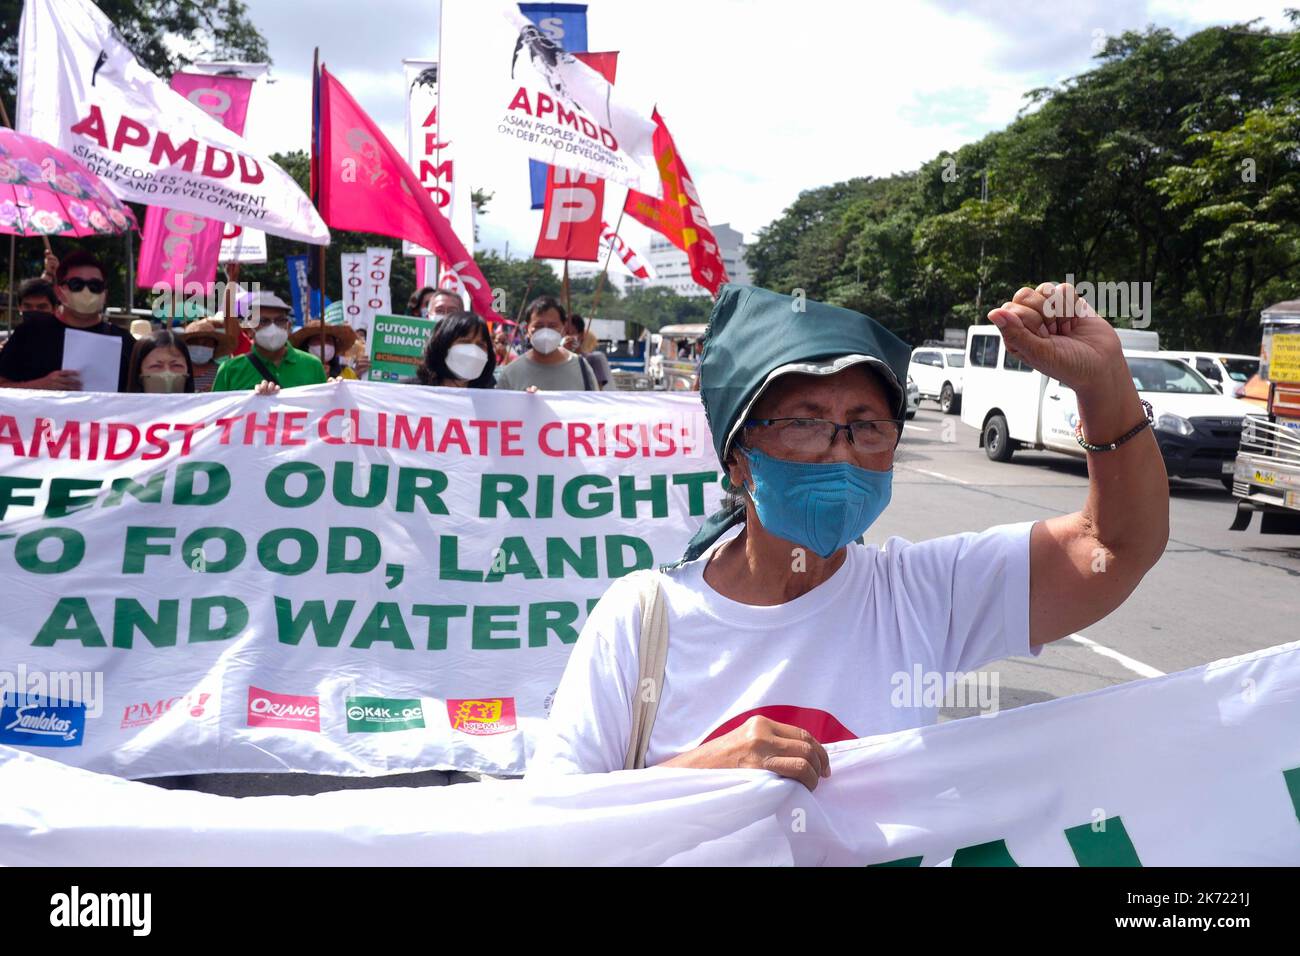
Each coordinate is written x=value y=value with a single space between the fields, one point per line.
x=287 y=366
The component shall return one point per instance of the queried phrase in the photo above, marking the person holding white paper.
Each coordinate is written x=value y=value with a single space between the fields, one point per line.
x=75 y=349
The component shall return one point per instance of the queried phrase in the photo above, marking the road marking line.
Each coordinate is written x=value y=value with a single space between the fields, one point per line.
x=915 y=428
x=936 y=474
x=1136 y=666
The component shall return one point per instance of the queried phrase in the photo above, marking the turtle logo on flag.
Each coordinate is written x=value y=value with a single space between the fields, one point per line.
x=546 y=55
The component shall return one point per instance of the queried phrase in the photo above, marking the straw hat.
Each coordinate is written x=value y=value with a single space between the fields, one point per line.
x=214 y=329
x=343 y=335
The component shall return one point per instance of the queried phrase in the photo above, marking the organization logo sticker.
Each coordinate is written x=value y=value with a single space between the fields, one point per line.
x=146 y=712
x=369 y=715
x=482 y=717
x=289 y=711
x=28 y=720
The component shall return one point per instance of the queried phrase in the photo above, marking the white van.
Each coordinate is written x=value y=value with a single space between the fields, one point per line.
x=1014 y=407
x=1226 y=372
x=937 y=373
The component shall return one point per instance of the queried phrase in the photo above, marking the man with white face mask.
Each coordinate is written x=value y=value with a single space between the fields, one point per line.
x=33 y=356
x=547 y=366
x=273 y=359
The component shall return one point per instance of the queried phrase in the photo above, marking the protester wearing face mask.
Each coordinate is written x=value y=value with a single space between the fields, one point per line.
x=330 y=344
x=782 y=634
x=33 y=356
x=547 y=366
x=161 y=363
x=273 y=363
x=208 y=344
x=37 y=295
x=458 y=354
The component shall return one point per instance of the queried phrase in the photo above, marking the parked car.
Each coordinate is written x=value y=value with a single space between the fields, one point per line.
x=938 y=376
x=1226 y=372
x=913 y=398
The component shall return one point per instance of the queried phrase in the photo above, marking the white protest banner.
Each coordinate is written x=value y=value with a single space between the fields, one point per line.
x=379 y=297
x=353 y=268
x=1199 y=768
x=80 y=88
x=515 y=84
x=429 y=155
x=242 y=244
x=350 y=578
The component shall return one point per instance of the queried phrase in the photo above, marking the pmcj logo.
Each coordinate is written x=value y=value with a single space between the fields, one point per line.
x=33 y=721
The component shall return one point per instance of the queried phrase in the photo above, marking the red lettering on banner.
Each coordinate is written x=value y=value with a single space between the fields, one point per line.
x=251 y=176
x=93 y=126
x=129 y=133
x=210 y=167
x=185 y=154
x=521 y=101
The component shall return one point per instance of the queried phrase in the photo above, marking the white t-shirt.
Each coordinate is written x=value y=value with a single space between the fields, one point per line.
x=825 y=661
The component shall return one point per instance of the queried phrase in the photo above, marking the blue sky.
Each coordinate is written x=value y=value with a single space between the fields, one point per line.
x=764 y=99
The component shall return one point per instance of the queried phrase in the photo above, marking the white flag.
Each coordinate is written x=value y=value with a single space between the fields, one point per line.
x=530 y=92
x=81 y=89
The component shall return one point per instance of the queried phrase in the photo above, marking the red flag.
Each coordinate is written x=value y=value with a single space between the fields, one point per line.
x=366 y=185
x=574 y=200
x=679 y=215
x=626 y=253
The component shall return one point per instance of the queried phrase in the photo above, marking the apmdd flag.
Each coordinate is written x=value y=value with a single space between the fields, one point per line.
x=80 y=88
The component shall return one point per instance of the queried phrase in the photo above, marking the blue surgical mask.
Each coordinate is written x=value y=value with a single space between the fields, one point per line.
x=819 y=505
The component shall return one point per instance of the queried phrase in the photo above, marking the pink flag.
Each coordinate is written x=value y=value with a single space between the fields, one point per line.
x=366 y=185
x=179 y=248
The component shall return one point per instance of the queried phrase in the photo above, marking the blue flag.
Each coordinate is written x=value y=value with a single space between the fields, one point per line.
x=566 y=24
x=298 y=286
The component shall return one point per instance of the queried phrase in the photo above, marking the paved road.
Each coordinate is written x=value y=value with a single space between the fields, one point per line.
x=1216 y=593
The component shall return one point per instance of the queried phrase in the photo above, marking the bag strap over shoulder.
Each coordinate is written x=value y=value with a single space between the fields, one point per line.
x=652 y=657
x=589 y=383
x=262 y=370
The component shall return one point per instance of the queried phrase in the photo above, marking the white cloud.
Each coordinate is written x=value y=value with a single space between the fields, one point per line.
x=764 y=98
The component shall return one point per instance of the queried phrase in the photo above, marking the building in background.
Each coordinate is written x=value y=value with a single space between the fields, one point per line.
x=671 y=269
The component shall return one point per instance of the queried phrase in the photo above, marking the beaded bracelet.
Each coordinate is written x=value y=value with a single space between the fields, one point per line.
x=1089 y=446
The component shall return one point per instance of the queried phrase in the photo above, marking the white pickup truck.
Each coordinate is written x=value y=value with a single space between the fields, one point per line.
x=1014 y=407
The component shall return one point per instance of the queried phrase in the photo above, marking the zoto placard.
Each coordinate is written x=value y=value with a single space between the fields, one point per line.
x=347 y=578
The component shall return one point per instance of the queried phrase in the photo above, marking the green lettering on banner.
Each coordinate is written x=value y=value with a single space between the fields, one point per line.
x=518 y=560
x=548 y=616
x=901 y=861
x=423 y=483
x=8 y=486
x=629 y=494
x=138 y=546
x=150 y=493
x=201 y=626
x=601 y=504
x=384 y=623
x=1106 y=845
x=72 y=549
x=559 y=554
x=268 y=551
x=218 y=480
x=327 y=628
x=336 y=555
x=129 y=616
x=508 y=490
x=63 y=502
x=1292 y=780
x=484 y=624
x=696 y=482
x=195 y=553
x=71 y=620
x=545 y=496
x=448 y=561
x=591 y=604
x=277 y=481
x=344 y=478
x=643 y=557
x=438 y=615
x=993 y=853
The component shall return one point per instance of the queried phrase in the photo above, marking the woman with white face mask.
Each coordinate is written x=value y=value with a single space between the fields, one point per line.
x=459 y=354
x=331 y=344
x=161 y=363
x=208 y=343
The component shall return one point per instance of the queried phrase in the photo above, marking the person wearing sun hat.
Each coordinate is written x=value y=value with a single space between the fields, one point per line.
x=778 y=634
x=274 y=362
x=208 y=343
x=329 y=343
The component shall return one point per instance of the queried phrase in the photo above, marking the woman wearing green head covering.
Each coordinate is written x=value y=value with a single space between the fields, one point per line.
x=783 y=634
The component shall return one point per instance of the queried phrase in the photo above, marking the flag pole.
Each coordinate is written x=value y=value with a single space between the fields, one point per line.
x=600 y=283
x=13 y=245
x=565 y=288
x=316 y=189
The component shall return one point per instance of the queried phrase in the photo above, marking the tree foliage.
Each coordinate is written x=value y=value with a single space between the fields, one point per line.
x=1169 y=162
